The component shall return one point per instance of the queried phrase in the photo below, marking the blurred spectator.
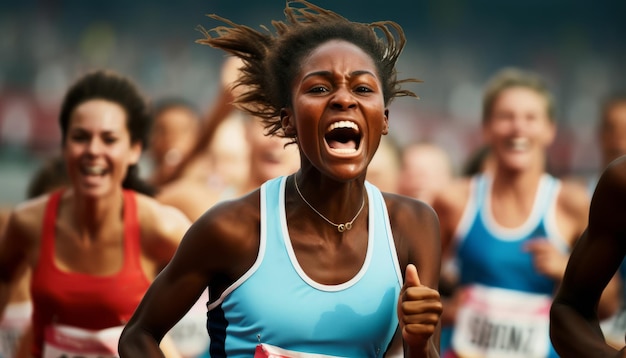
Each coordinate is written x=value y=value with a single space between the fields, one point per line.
x=384 y=169
x=426 y=169
x=612 y=129
x=175 y=125
x=479 y=161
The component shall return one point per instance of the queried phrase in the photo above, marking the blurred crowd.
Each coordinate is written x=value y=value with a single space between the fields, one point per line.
x=453 y=47
x=447 y=149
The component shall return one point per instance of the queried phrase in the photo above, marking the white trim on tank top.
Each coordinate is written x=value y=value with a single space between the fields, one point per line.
x=294 y=260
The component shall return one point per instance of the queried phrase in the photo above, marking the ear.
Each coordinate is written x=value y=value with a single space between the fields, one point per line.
x=286 y=120
x=386 y=122
x=135 y=152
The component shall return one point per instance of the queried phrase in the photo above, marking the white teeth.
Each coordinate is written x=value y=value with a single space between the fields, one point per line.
x=344 y=150
x=94 y=170
x=519 y=143
x=343 y=124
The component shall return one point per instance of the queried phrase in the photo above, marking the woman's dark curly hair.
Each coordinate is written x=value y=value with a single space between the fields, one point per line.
x=113 y=87
x=271 y=61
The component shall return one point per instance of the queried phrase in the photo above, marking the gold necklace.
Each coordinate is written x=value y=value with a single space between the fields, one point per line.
x=340 y=227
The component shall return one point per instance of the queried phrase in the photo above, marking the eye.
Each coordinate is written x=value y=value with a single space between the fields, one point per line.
x=363 y=89
x=79 y=137
x=109 y=140
x=318 y=89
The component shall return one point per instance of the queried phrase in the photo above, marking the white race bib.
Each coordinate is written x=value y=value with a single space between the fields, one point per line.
x=72 y=342
x=190 y=335
x=15 y=321
x=614 y=328
x=500 y=323
x=269 y=351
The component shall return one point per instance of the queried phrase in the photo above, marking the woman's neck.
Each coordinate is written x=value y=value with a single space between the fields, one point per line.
x=92 y=216
x=516 y=181
x=513 y=196
x=337 y=201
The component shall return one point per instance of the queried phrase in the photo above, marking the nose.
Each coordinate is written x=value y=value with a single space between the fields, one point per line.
x=95 y=146
x=519 y=123
x=343 y=99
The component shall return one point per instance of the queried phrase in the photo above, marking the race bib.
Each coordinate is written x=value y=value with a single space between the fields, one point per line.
x=72 y=342
x=15 y=321
x=268 y=351
x=190 y=335
x=500 y=323
x=614 y=328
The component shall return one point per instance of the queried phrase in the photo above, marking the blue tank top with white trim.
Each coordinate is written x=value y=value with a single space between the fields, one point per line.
x=276 y=303
x=492 y=255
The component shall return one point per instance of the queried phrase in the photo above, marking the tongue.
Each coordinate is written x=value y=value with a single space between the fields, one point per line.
x=340 y=145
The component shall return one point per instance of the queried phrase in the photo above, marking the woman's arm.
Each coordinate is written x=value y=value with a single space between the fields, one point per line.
x=574 y=326
x=162 y=229
x=419 y=303
x=17 y=244
x=224 y=242
x=205 y=136
x=177 y=287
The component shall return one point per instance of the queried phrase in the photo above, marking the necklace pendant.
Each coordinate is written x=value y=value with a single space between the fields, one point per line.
x=341 y=227
x=348 y=226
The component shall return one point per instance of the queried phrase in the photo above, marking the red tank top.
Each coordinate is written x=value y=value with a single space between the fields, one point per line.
x=83 y=300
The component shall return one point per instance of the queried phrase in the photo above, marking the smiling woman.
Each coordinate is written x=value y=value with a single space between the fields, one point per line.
x=510 y=228
x=86 y=243
x=310 y=263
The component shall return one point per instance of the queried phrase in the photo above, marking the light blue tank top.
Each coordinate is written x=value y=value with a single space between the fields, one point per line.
x=276 y=303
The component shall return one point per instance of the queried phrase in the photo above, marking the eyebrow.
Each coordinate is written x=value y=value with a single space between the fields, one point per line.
x=329 y=74
x=84 y=130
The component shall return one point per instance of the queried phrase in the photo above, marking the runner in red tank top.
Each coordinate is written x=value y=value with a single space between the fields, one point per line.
x=94 y=248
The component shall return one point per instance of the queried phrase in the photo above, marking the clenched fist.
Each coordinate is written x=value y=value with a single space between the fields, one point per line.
x=419 y=309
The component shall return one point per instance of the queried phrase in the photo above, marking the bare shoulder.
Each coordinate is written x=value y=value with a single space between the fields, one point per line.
x=402 y=208
x=415 y=228
x=22 y=235
x=233 y=220
x=159 y=218
x=227 y=235
x=607 y=206
x=26 y=219
x=610 y=194
x=190 y=196
x=613 y=179
x=410 y=218
x=162 y=227
x=454 y=197
x=574 y=199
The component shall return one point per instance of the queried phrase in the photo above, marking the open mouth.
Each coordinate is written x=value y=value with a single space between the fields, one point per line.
x=93 y=170
x=519 y=144
x=343 y=137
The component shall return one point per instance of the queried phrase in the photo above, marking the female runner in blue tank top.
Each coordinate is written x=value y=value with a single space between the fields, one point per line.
x=319 y=262
x=510 y=227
